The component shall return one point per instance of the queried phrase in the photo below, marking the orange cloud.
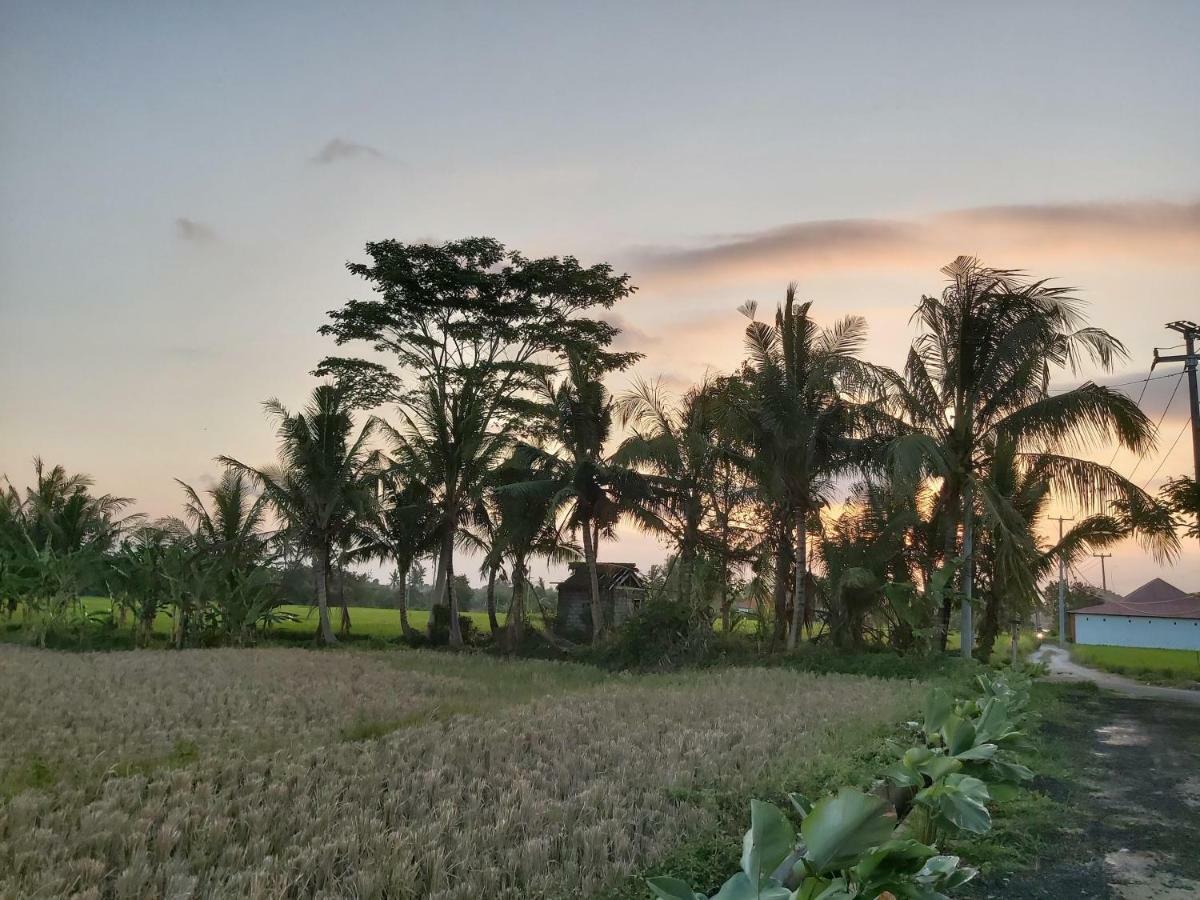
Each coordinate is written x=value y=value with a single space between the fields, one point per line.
x=1168 y=232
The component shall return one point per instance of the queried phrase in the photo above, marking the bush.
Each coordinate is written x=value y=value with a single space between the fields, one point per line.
x=439 y=627
x=664 y=634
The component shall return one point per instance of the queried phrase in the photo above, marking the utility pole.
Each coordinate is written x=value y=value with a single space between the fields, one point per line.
x=1103 y=575
x=1190 y=332
x=1062 y=584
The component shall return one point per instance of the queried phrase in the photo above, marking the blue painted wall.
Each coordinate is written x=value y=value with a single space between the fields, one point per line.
x=1138 y=631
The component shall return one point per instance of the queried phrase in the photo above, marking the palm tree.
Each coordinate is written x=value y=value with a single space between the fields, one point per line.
x=577 y=417
x=796 y=413
x=232 y=528
x=523 y=526
x=678 y=449
x=325 y=477
x=979 y=375
x=451 y=448
x=402 y=531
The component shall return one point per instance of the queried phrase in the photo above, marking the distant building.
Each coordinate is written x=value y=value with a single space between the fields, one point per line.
x=1157 y=614
x=621 y=593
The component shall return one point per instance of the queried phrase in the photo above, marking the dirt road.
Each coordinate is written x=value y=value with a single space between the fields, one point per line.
x=1136 y=787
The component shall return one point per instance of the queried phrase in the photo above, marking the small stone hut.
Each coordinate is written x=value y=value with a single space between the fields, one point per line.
x=621 y=593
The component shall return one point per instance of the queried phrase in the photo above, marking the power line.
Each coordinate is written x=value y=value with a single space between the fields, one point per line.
x=1158 y=425
x=1167 y=456
x=1148 y=377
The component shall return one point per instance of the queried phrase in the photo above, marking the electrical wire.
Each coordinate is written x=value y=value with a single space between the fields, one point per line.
x=1167 y=455
x=1158 y=425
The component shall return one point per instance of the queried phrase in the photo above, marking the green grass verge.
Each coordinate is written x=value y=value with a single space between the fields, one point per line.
x=1143 y=663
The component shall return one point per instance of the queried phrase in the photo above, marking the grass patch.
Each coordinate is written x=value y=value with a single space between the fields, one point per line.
x=1179 y=667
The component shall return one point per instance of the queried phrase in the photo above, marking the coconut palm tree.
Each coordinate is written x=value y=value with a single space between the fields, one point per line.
x=677 y=447
x=576 y=415
x=325 y=477
x=451 y=448
x=524 y=525
x=979 y=376
x=401 y=532
x=798 y=415
x=232 y=527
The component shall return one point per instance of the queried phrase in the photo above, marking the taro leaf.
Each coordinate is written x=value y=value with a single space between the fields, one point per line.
x=840 y=828
x=811 y=888
x=902 y=776
x=914 y=756
x=994 y=721
x=958 y=733
x=768 y=842
x=939 y=767
x=961 y=801
x=943 y=873
x=667 y=888
x=938 y=707
x=739 y=887
x=1012 y=772
x=801 y=804
x=892 y=857
x=977 y=753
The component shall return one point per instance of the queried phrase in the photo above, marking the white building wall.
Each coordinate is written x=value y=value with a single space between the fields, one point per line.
x=1138 y=631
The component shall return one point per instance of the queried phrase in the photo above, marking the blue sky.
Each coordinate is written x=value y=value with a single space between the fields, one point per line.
x=180 y=185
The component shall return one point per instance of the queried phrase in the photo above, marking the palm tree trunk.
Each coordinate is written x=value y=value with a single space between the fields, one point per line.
x=589 y=553
x=783 y=564
x=948 y=555
x=321 y=565
x=402 y=600
x=440 y=594
x=515 y=627
x=967 y=637
x=491 y=601
x=723 y=597
x=456 y=638
x=340 y=574
x=799 y=592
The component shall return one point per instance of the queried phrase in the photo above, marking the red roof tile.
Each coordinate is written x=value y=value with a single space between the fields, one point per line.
x=1155 y=599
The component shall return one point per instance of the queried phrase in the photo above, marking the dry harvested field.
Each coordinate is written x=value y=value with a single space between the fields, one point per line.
x=556 y=783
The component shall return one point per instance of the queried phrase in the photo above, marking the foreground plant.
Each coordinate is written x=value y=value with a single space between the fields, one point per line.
x=855 y=846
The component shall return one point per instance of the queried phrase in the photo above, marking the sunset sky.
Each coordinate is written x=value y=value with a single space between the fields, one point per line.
x=182 y=183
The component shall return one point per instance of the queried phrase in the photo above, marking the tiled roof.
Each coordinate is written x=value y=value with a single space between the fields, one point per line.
x=1155 y=599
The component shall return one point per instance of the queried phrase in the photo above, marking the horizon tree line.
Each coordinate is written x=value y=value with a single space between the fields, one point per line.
x=495 y=368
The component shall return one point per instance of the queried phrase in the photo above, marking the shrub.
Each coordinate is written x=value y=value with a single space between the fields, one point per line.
x=439 y=628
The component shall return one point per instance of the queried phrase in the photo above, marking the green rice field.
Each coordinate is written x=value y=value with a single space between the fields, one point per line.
x=1143 y=663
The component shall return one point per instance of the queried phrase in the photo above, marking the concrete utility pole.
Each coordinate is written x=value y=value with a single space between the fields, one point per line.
x=1103 y=575
x=1062 y=584
x=1190 y=332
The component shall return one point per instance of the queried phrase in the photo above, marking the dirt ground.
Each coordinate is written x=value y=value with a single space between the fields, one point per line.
x=1134 y=792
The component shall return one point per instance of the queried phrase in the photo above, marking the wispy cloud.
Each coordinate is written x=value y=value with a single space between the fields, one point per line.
x=197 y=232
x=1082 y=229
x=339 y=150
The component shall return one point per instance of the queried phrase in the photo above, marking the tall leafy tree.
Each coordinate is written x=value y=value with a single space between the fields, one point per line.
x=470 y=327
x=326 y=475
